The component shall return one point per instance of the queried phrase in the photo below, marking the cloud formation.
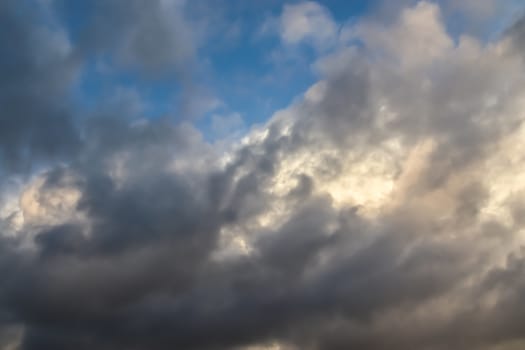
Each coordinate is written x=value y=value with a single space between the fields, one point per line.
x=307 y=21
x=383 y=209
x=151 y=36
x=37 y=69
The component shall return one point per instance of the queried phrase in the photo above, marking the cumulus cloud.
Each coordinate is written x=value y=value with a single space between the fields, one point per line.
x=306 y=22
x=381 y=210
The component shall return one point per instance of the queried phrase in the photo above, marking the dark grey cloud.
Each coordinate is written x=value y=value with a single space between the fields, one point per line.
x=135 y=264
x=43 y=61
x=150 y=36
x=37 y=70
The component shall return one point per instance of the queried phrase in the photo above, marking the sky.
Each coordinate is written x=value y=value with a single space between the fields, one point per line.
x=262 y=175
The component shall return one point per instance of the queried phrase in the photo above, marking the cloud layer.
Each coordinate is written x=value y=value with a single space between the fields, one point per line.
x=383 y=209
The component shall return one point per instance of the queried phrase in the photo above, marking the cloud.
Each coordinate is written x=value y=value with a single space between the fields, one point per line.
x=153 y=37
x=37 y=70
x=306 y=22
x=381 y=210
x=419 y=36
x=227 y=125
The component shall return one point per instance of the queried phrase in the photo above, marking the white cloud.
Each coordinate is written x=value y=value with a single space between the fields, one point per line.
x=308 y=22
x=418 y=38
x=303 y=23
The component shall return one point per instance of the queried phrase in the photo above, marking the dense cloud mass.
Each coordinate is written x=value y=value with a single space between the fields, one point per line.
x=37 y=69
x=383 y=209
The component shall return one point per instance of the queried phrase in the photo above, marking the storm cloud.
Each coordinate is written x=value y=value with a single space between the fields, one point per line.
x=382 y=209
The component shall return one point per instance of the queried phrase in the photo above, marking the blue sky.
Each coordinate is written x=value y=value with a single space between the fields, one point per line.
x=239 y=67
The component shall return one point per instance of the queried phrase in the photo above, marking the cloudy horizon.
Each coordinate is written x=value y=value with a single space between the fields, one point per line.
x=250 y=175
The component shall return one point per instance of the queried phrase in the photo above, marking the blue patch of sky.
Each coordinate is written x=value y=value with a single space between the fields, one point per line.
x=100 y=84
x=75 y=15
x=241 y=71
x=248 y=76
